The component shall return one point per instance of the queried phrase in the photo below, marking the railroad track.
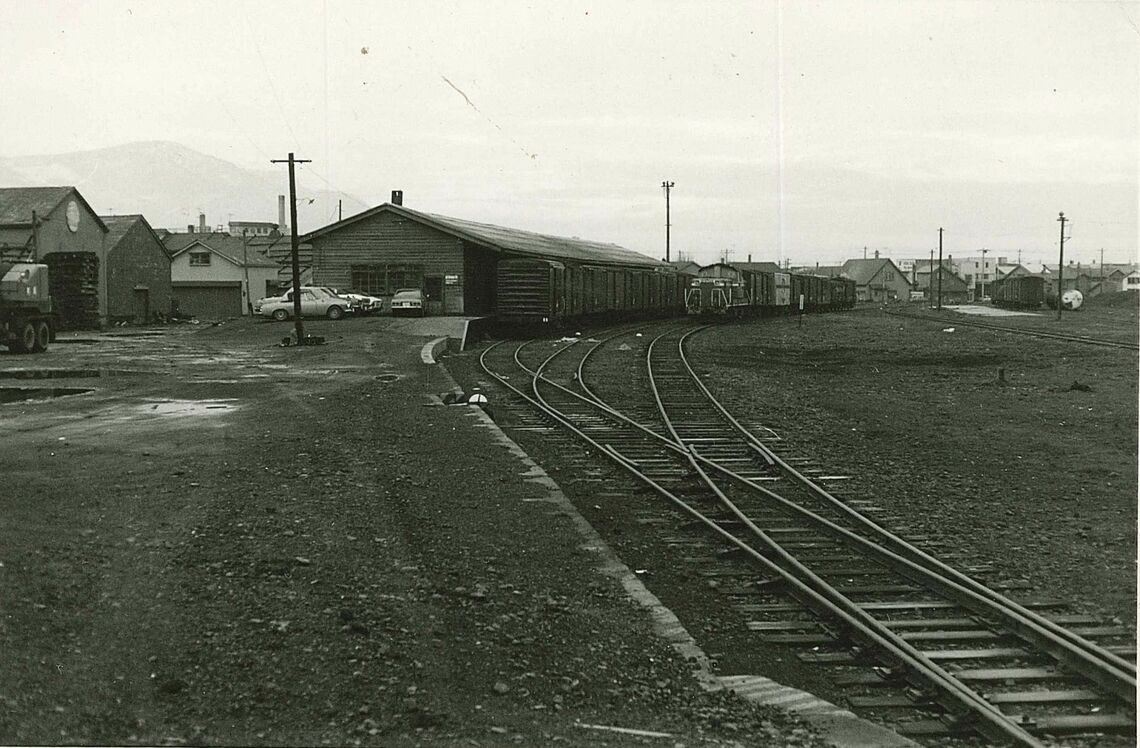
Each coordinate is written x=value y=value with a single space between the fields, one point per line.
x=980 y=662
x=1020 y=330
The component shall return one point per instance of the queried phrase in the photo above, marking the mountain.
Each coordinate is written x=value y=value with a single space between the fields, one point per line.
x=171 y=184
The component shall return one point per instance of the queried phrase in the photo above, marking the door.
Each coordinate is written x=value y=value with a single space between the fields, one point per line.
x=433 y=294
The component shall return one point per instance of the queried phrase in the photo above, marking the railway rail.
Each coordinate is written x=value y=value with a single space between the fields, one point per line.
x=1021 y=330
x=980 y=661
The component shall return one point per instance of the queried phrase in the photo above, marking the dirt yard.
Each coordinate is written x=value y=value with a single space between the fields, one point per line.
x=226 y=542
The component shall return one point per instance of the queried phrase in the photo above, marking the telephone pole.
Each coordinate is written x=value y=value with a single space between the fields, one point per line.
x=668 y=186
x=1061 y=265
x=984 y=251
x=293 y=235
x=939 y=269
x=930 y=282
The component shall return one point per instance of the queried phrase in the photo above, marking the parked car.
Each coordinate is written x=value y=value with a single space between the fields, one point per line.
x=408 y=300
x=362 y=303
x=316 y=301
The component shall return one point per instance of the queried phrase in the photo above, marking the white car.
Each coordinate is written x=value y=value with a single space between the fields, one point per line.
x=408 y=301
x=362 y=303
x=316 y=301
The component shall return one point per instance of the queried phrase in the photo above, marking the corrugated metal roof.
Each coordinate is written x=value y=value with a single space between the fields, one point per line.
x=506 y=239
x=118 y=226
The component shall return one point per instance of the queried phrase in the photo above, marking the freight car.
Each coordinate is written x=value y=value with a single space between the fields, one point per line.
x=532 y=291
x=725 y=290
x=1023 y=292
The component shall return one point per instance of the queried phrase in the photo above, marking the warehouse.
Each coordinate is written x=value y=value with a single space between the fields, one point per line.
x=138 y=271
x=452 y=261
x=56 y=226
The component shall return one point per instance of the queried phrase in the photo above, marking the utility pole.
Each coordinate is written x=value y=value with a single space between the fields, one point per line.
x=984 y=250
x=1061 y=265
x=940 y=269
x=668 y=186
x=293 y=235
x=930 y=281
x=339 y=210
x=35 y=237
x=1102 y=269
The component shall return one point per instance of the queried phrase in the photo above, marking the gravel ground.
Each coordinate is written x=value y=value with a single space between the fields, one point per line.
x=239 y=544
x=1036 y=475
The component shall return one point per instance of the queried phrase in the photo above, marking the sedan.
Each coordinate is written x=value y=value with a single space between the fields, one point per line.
x=315 y=301
x=408 y=300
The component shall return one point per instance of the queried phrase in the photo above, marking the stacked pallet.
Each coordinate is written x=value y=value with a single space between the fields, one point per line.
x=73 y=279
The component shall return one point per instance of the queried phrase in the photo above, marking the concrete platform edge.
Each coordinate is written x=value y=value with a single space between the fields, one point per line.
x=840 y=727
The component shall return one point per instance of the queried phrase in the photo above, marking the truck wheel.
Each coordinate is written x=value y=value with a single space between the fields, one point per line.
x=43 y=337
x=335 y=312
x=280 y=315
x=26 y=340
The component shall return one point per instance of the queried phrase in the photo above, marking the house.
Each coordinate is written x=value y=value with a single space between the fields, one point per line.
x=1131 y=281
x=138 y=271
x=1006 y=271
x=453 y=261
x=877 y=279
x=56 y=226
x=954 y=288
x=217 y=276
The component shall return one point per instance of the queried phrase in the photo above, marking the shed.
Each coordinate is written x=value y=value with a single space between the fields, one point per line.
x=453 y=261
x=69 y=238
x=138 y=271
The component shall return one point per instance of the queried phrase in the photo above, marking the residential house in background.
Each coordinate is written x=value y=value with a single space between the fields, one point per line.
x=56 y=226
x=1131 y=281
x=218 y=276
x=926 y=278
x=138 y=271
x=877 y=279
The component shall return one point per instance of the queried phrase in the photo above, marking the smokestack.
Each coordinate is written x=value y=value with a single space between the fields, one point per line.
x=397 y=197
x=202 y=223
x=750 y=257
x=281 y=214
x=876 y=254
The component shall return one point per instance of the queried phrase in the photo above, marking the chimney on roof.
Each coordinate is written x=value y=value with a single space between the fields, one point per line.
x=876 y=254
x=750 y=257
x=397 y=197
x=189 y=228
x=202 y=223
x=281 y=214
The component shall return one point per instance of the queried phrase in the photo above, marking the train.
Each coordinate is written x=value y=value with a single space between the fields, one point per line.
x=725 y=290
x=531 y=291
x=1022 y=292
x=555 y=293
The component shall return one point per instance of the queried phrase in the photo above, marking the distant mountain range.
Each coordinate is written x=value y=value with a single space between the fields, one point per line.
x=171 y=184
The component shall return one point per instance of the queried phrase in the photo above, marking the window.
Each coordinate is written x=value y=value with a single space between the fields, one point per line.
x=199 y=258
x=386 y=279
x=888 y=276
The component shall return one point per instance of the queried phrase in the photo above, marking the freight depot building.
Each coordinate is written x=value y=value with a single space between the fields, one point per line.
x=453 y=261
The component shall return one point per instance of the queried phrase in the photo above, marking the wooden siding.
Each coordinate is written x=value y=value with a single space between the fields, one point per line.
x=138 y=262
x=390 y=241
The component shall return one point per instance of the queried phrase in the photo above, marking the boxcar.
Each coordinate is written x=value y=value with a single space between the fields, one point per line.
x=537 y=291
x=1023 y=292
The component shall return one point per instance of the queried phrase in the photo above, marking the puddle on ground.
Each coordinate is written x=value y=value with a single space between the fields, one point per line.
x=22 y=394
x=386 y=378
x=188 y=407
x=50 y=373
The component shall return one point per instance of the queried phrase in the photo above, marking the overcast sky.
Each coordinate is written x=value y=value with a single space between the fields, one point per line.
x=799 y=130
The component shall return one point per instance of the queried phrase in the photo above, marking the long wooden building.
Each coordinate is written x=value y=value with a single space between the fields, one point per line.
x=453 y=261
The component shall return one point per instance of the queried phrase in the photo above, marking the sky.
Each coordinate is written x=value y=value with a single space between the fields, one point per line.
x=809 y=132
